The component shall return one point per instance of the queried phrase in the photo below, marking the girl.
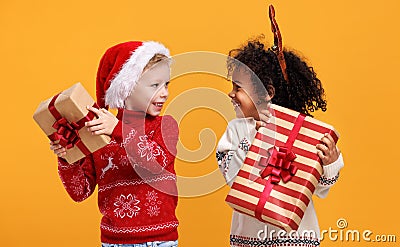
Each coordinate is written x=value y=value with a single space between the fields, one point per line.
x=135 y=172
x=288 y=81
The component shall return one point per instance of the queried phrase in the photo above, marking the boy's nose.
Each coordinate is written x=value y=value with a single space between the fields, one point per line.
x=231 y=94
x=164 y=92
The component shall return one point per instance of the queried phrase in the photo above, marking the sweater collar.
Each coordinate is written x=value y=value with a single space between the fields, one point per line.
x=124 y=114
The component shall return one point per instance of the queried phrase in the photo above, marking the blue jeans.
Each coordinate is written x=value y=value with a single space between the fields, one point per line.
x=148 y=244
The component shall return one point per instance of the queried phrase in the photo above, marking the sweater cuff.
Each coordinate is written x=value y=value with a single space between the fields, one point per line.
x=333 y=169
x=117 y=132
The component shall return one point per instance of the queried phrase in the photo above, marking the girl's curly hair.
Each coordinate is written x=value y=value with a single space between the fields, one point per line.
x=303 y=92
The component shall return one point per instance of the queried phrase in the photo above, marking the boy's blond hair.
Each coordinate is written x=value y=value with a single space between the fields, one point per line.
x=156 y=59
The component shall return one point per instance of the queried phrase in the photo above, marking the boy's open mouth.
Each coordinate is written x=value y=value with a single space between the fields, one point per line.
x=158 y=104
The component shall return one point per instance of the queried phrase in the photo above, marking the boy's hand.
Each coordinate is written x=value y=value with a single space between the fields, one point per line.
x=104 y=124
x=59 y=150
x=328 y=152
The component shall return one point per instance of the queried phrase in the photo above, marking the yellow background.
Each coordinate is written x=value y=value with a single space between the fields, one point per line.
x=46 y=46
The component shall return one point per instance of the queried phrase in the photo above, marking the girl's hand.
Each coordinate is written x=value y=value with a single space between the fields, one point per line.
x=265 y=116
x=59 y=150
x=328 y=152
x=104 y=124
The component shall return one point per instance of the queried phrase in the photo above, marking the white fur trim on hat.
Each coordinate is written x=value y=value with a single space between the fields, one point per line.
x=124 y=82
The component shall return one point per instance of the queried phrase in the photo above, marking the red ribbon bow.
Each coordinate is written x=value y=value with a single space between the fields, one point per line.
x=279 y=165
x=66 y=133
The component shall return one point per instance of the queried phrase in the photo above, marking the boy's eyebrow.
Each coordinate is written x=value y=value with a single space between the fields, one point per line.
x=157 y=80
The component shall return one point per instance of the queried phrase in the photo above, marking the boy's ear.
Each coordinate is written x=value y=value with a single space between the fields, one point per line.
x=271 y=91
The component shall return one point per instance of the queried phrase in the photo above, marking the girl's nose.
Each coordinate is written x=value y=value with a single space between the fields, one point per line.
x=231 y=94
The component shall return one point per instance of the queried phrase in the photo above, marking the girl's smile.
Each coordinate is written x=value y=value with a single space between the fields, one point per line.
x=243 y=94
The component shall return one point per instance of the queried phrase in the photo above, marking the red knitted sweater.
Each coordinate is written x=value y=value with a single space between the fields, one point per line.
x=136 y=180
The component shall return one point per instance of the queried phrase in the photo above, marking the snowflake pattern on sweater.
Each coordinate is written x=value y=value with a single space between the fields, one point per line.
x=224 y=159
x=244 y=144
x=126 y=206
x=134 y=209
x=149 y=149
x=153 y=204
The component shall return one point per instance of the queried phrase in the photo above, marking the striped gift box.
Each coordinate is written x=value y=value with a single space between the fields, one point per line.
x=281 y=169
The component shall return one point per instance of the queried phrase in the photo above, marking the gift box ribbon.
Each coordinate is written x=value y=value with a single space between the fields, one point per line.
x=279 y=165
x=67 y=133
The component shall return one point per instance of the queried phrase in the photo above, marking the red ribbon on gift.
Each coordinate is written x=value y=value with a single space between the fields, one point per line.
x=279 y=165
x=67 y=133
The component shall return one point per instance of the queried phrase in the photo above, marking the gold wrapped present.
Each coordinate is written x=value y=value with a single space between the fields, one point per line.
x=62 y=118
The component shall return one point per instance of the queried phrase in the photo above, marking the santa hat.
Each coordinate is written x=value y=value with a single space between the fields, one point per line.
x=120 y=69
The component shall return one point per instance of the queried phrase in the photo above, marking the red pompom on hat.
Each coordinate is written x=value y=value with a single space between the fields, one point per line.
x=120 y=69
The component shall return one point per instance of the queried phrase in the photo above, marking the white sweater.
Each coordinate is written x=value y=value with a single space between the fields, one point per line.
x=246 y=230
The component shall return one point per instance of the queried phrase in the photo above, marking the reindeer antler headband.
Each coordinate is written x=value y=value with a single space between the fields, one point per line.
x=277 y=48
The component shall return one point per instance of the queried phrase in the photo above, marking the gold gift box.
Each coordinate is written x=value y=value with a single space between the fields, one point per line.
x=71 y=105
